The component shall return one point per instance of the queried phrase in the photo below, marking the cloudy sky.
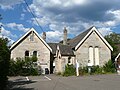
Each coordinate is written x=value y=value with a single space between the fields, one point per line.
x=54 y=15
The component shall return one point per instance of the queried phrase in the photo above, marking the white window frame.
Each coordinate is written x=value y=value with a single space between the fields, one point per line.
x=97 y=55
x=91 y=56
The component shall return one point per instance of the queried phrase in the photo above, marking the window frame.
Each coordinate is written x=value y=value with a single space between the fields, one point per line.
x=35 y=53
x=27 y=53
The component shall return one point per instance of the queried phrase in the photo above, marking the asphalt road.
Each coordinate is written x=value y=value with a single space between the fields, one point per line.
x=53 y=82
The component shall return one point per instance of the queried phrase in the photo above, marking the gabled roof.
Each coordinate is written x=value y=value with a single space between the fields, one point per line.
x=65 y=50
x=27 y=33
x=117 y=57
x=54 y=47
x=78 y=40
x=74 y=42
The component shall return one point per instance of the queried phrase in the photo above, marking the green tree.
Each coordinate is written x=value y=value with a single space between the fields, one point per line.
x=4 y=63
x=113 y=39
x=109 y=67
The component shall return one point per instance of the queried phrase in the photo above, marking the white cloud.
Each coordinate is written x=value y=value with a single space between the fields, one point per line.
x=8 y=4
x=76 y=15
x=105 y=31
x=116 y=13
x=22 y=16
x=15 y=26
x=42 y=21
x=54 y=36
x=62 y=3
x=7 y=34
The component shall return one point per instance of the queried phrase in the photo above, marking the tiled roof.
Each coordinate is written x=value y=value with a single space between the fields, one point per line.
x=64 y=49
x=54 y=47
x=67 y=49
x=73 y=42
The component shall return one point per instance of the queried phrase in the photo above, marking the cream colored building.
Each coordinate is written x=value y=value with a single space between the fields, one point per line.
x=88 y=48
x=32 y=44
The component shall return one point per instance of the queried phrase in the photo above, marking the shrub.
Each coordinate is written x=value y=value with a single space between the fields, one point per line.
x=29 y=71
x=96 y=70
x=69 y=70
x=83 y=71
x=109 y=67
x=23 y=66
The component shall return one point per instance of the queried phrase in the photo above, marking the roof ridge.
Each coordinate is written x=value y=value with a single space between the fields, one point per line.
x=24 y=35
x=73 y=42
x=84 y=31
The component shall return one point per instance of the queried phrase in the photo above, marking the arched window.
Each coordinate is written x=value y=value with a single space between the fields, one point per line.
x=26 y=53
x=96 y=55
x=35 y=53
x=91 y=56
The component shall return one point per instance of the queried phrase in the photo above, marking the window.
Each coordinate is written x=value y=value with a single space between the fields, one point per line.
x=35 y=53
x=59 y=57
x=32 y=37
x=26 y=53
x=96 y=55
x=91 y=56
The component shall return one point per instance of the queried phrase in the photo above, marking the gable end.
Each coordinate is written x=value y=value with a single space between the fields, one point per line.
x=101 y=37
x=25 y=35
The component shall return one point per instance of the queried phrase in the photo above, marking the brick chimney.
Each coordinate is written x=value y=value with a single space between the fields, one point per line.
x=44 y=36
x=65 y=36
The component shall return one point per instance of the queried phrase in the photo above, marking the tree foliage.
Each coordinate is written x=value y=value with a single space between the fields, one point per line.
x=69 y=70
x=109 y=67
x=23 y=66
x=113 y=39
x=4 y=63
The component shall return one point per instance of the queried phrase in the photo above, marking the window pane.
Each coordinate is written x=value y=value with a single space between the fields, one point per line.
x=26 y=53
x=96 y=56
x=35 y=53
x=91 y=57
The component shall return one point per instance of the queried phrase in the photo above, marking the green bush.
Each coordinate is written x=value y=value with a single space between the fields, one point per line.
x=109 y=67
x=29 y=71
x=83 y=71
x=96 y=70
x=23 y=66
x=69 y=70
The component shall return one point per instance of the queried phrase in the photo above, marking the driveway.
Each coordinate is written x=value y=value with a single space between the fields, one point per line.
x=53 y=82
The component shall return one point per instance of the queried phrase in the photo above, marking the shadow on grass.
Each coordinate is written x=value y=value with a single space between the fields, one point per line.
x=19 y=85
